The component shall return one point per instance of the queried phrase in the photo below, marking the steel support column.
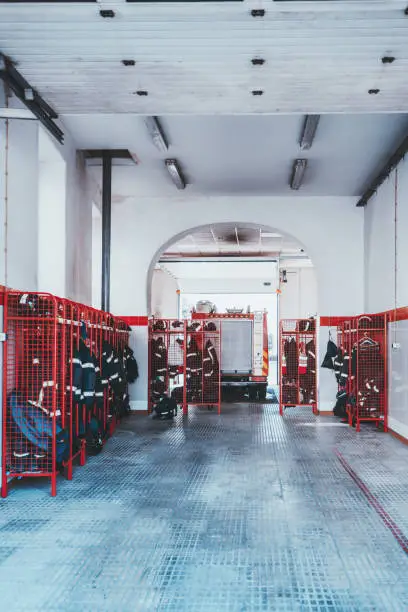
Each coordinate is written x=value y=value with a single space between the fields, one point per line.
x=106 y=228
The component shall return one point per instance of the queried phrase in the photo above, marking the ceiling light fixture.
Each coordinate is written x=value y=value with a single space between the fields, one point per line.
x=156 y=134
x=107 y=13
x=175 y=173
x=298 y=173
x=309 y=131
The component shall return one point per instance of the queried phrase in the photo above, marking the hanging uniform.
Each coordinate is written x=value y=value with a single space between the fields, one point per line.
x=338 y=364
x=211 y=373
x=291 y=354
x=88 y=375
x=370 y=383
x=194 y=370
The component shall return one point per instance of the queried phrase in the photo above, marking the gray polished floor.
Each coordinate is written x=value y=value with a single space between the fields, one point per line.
x=239 y=512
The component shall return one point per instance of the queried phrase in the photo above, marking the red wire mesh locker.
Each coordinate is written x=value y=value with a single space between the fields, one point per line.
x=202 y=365
x=184 y=363
x=297 y=358
x=33 y=441
x=70 y=325
x=166 y=339
x=367 y=387
x=121 y=340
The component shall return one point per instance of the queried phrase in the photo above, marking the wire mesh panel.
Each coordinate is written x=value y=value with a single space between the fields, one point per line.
x=297 y=349
x=166 y=361
x=55 y=392
x=184 y=363
x=34 y=441
x=69 y=324
x=202 y=364
x=367 y=389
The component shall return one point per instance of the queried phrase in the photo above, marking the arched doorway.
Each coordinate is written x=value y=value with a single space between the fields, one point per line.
x=234 y=265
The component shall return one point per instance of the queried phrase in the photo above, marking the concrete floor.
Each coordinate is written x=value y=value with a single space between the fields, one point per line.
x=239 y=512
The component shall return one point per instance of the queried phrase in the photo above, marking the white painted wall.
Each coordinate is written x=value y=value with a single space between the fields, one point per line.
x=24 y=239
x=19 y=185
x=96 y=256
x=382 y=234
x=398 y=378
x=165 y=301
x=386 y=281
x=142 y=227
x=299 y=297
x=51 y=217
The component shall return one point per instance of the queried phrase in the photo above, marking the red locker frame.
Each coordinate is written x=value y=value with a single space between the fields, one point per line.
x=169 y=340
x=41 y=341
x=298 y=387
x=364 y=338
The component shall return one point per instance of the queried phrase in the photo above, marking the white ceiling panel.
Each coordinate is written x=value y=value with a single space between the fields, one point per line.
x=196 y=57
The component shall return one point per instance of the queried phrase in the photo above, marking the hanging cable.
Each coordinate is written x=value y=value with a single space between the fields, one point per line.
x=395 y=246
x=6 y=164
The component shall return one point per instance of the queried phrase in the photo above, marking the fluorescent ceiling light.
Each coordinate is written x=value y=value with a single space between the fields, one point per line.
x=270 y=235
x=156 y=134
x=175 y=173
x=309 y=131
x=298 y=173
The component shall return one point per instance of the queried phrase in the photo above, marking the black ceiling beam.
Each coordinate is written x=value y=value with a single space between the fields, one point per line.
x=30 y=97
x=114 y=153
x=391 y=164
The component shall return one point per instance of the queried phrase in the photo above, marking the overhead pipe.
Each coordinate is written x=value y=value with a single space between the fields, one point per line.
x=391 y=164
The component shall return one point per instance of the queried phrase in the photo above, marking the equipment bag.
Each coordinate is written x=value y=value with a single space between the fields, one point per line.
x=94 y=437
x=166 y=408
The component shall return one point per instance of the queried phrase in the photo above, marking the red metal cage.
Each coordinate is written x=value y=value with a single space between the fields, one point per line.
x=184 y=363
x=363 y=345
x=44 y=417
x=297 y=359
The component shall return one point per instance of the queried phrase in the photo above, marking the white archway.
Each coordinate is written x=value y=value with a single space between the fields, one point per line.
x=198 y=228
x=331 y=230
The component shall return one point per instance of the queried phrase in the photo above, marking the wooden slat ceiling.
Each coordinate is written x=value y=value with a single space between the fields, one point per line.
x=196 y=57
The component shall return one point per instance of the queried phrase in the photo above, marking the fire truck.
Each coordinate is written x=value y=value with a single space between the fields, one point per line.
x=244 y=358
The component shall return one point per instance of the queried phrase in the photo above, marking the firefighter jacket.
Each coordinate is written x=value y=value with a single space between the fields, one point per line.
x=210 y=361
x=368 y=371
x=311 y=357
x=99 y=386
x=338 y=364
x=331 y=354
x=83 y=376
x=31 y=422
x=193 y=359
x=37 y=384
x=88 y=375
x=132 y=370
x=302 y=363
x=291 y=355
x=158 y=357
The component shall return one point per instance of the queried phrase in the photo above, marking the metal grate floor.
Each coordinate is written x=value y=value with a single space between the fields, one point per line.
x=240 y=512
